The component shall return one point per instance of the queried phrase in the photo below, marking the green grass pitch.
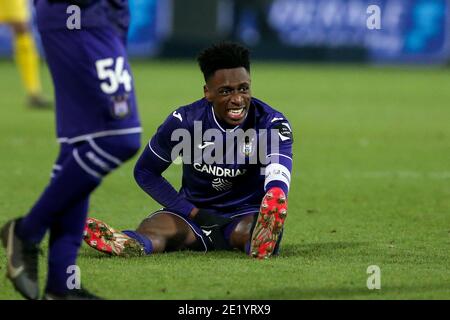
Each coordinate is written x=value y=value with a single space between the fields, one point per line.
x=371 y=186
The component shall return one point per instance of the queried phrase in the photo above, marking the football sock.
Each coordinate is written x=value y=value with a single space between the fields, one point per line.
x=63 y=206
x=27 y=61
x=143 y=240
x=65 y=240
x=247 y=247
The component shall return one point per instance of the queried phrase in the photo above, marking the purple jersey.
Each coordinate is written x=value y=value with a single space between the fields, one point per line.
x=94 y=87
x=226 y=184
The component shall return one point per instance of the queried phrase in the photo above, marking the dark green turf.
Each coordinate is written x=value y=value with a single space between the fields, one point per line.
x=371 y=186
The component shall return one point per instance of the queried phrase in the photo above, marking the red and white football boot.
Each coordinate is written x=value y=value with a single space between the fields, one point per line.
x=103 y=238
x=269 y=224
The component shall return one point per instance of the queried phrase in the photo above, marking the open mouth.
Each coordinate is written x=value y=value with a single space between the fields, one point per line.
x=236 y=113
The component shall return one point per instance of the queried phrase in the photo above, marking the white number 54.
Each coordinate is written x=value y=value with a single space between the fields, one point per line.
x=114 y=77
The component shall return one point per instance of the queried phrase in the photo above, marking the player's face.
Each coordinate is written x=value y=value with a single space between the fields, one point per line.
x=229 y=92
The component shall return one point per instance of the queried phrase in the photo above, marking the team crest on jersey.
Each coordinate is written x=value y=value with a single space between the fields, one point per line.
x=247 y=147
x=120 y=107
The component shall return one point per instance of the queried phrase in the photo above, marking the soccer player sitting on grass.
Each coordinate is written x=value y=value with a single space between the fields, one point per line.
x=233 y=196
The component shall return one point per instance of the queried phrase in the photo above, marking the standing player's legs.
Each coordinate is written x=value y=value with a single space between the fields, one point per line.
x=62 y=208
x=69 y=185
x=105 y=154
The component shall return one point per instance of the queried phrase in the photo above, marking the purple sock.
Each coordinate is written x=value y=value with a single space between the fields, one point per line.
x=143 y=240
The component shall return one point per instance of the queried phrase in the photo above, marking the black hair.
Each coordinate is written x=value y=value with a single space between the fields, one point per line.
x=224 y=55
